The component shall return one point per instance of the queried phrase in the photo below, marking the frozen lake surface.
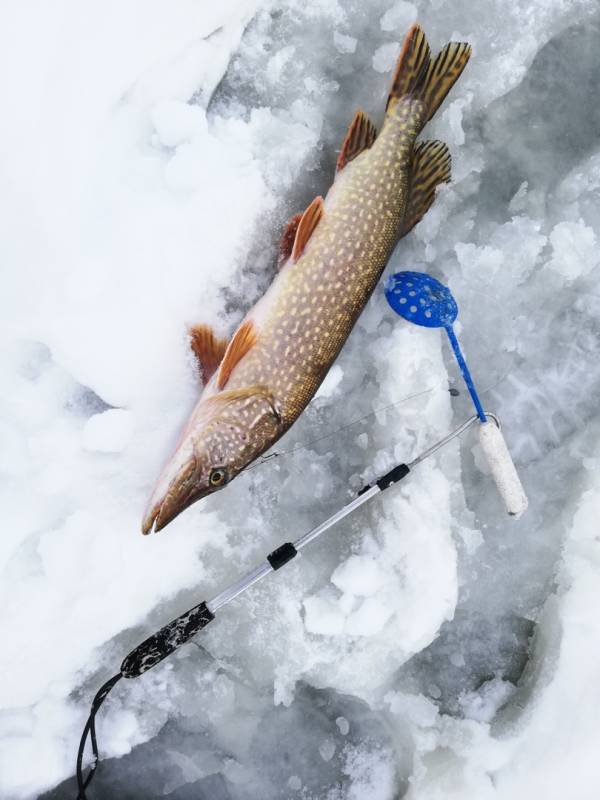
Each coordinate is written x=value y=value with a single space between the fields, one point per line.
x=429 y=647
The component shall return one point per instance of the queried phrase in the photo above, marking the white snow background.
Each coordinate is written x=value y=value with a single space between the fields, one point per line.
x=430 y=647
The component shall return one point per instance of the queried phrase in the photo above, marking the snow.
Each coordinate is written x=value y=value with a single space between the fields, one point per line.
x=574 y=249
x=428 y=646
x=399 y=17
x=108 y=432
x=343 y=43
x=358 y=575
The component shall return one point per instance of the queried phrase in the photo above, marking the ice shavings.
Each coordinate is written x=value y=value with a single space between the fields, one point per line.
x=574 y=249
x=385 y=57
x=399 y=17
x=426 y=647
x=343 y=43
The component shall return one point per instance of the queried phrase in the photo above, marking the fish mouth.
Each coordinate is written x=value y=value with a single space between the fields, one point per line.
x=159 y=516
x=166 y=504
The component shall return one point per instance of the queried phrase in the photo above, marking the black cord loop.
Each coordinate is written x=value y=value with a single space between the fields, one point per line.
x=90 y=730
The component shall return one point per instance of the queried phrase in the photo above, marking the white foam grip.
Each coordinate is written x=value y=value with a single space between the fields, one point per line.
x=502 y=468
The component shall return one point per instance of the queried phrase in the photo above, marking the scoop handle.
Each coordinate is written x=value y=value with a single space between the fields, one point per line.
x=502 y=468
x=162 y=643
x=465 y=372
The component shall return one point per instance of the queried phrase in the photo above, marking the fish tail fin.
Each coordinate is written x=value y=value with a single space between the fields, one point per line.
x=418 y=76
x=411 y=68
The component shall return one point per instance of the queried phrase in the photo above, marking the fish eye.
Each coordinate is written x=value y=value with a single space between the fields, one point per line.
x=217 y=477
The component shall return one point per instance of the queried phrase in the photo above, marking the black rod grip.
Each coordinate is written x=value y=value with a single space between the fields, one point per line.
x=162 y=643
x=280 y=557
x=393 y=476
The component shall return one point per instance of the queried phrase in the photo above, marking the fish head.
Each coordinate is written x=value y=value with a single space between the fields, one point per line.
x=221 y=440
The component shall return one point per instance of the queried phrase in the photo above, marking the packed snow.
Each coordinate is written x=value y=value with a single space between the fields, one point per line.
x=428 y=646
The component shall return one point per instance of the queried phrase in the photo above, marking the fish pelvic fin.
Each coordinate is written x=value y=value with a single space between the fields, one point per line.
x=208 y=349
x=361 y=135
x=306 y=227
x=430 y=167
x=242 y=342
x=419 y=76
x=253 y=392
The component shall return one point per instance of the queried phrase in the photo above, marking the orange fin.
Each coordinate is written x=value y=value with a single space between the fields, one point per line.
x=430 y=166
x=286 y=244
x=208 y=349
x=306 y=227
x=242 y=342
x=361 y=135
x=412 y=66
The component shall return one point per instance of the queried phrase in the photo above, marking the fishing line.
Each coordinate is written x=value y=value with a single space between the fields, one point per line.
x=279 y=453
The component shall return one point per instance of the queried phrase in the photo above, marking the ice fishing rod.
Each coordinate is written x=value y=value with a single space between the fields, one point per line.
x=420 y=299
x=177 y=632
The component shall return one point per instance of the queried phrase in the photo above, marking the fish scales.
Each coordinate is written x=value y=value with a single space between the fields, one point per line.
x=318 y=299
x=258 y=384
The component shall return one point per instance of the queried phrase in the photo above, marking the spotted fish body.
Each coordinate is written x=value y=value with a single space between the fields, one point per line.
x=313 y=304
x=332 y=259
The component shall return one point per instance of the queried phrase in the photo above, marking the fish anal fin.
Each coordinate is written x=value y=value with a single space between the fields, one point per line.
x=306 y=227
x=361 y=135
x=242 y=342
x=412 y=66
x=208 y=349
x=286 y=245
x=430 y=166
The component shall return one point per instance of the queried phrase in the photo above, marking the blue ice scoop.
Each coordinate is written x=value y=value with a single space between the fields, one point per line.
x=421 y=299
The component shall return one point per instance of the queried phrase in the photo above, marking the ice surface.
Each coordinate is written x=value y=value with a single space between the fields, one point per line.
x=428 y=646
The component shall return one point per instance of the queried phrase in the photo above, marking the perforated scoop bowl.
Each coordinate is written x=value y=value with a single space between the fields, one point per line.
x=421 y=299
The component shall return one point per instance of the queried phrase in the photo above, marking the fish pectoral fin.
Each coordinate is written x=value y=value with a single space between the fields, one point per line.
x=361 y=135
x=430 y=166
x=286 y=245
x=242 y=342
x=249 y=393
x=208 y=349
x=306 y=227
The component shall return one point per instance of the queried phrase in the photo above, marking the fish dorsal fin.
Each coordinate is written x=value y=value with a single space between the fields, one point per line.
x=430 y=166
x=242 y=341
x=286 y=245
x=306 y=227
x=208 y=349
x=412 y=66
x=361 y=135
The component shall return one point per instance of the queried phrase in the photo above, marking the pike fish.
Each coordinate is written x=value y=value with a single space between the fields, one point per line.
x=330 y=259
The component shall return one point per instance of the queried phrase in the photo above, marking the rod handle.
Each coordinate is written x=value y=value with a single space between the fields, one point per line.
x=502 y=468
x=162 y=643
